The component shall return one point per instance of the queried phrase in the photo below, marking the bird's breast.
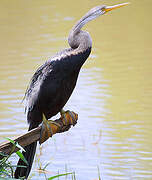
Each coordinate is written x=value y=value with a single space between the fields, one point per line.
x=54 y=101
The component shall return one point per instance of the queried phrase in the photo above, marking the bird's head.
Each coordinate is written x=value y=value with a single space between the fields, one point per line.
x=100 y=10
x=94 y=13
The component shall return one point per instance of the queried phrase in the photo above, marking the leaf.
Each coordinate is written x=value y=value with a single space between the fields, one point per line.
x=10 y=140
x=53 y=177
x=18 y=166
x=20 y=147
x=2 y=154
x=16 y=144
x=22 y=157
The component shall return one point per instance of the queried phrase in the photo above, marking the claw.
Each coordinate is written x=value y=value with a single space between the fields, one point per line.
x=73 y=118
x=68 y=117
x=50 y=127
x=46 y=130
x=62 y=112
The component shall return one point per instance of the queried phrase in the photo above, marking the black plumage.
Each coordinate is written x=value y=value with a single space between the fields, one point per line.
x=52 y=85
x=49 y=90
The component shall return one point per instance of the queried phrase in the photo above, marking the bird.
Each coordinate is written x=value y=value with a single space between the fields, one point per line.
x=53 y=82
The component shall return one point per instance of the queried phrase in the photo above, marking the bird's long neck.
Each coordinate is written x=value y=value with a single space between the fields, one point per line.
x=78 y=39
x=80 y=43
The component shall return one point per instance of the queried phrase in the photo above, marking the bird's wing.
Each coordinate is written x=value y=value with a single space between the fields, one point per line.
x=32 y=90
x=46 y=80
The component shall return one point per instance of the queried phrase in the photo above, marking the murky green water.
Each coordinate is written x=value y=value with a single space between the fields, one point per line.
x=113 y=95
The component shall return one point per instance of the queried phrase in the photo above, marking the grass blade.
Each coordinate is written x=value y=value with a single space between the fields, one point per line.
x=53 y=177
x=22 y=157
x=16 y=144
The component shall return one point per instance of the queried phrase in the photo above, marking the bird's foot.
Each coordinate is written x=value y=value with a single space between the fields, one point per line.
x=63 y=124
x=68 y=117
x=46 y=130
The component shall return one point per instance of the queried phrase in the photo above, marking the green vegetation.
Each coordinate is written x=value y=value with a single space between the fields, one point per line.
x=7 y=168
x=57 y=176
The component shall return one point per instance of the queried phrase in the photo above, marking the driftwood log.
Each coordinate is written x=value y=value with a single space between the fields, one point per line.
x=60 y=125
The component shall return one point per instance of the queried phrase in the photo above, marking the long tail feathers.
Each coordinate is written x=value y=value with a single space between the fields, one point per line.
x=29 y=156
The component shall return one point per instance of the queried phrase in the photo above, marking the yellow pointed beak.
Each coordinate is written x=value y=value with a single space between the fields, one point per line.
x=109 y=8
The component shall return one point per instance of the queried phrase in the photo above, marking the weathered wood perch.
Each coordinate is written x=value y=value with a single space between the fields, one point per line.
x=60 y=125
